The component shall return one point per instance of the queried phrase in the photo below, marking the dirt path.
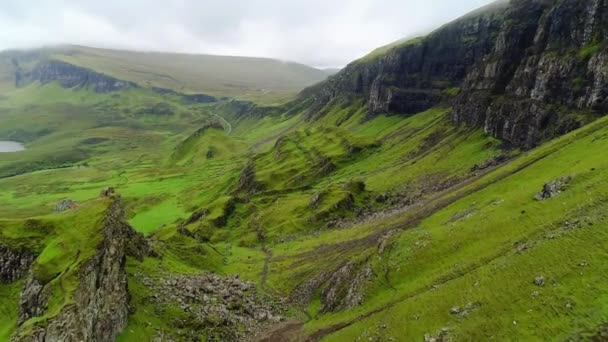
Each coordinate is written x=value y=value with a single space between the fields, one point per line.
x=290 y=331
x=267 y=259
x=227 y=125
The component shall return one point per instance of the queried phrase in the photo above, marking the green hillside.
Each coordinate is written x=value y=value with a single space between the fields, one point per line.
x=258 y=79
x=455 y=237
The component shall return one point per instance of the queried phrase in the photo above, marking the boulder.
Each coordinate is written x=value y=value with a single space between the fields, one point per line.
x=553 y=188
x=64 y=205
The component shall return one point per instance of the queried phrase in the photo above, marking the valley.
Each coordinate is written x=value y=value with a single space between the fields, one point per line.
x=449 y=187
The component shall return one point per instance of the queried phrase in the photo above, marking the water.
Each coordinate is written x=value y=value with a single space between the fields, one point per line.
x=11 y=146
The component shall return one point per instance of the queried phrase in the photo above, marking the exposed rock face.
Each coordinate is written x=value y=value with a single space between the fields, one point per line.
x=71 y=76
x=247 y=183
x=14 y=264
x=527 y=71
x=410 y=78
x=343 y=290
x=199 y=98
x=100 y=303
x=340 y=290
x=553 y=188
x=549 y=60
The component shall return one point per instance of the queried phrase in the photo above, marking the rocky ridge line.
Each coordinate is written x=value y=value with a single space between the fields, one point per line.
x=101 y=301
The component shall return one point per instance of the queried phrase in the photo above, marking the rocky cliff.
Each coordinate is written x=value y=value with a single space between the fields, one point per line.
x=70 y=76
x=546 y=74
x=14 y=264
x=100 y=303
x=412 y=76
x=525 y=71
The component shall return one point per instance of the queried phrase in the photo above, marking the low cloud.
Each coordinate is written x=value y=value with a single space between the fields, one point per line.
x=315 y=32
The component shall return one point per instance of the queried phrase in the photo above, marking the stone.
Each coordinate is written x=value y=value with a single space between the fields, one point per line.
x=553 y=188
x=221 y=306
x=64 y=205
x=316 y=199
x=539 y=281
x=14 y=263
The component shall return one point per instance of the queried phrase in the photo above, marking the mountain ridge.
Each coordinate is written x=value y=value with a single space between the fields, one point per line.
x=249 y=78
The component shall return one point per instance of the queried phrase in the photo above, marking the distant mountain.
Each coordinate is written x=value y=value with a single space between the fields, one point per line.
x=249 y=78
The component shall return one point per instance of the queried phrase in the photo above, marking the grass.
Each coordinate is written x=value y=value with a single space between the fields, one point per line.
x=259 y=79
x=441 y=261
x=456 y=245
x=62 y=251
x=382 y=51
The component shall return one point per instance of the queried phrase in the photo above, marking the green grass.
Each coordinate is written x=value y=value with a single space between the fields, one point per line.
x=455 y=245
x=590 y=49
x=382 y=51
x=9 y=296
x=259 y=79
x=436 y=264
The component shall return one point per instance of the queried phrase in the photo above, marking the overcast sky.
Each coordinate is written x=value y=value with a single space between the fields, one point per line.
x=317 y=32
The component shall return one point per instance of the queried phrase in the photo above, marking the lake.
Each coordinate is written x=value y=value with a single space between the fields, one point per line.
x=11 y=146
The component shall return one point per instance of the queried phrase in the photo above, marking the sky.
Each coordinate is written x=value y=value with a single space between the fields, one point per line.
x=322 y=33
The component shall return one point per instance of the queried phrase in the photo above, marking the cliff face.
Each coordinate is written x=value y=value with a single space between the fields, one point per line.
x=548 y=68
x=527 y=70
x=14 y=264
x=70 y=76
x=100 y=302
x=410 y=78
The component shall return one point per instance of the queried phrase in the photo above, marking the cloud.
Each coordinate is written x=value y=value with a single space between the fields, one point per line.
x=316 y=32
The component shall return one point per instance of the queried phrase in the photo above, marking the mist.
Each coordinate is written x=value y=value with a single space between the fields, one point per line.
x=316 y=32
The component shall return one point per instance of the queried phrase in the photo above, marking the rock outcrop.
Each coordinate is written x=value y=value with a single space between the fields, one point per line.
x=525 y=71
x=547 y=69
x=100 y=303
x=14 y=264
x=344 y=287
x=222 y=308
x=411 y=77
x=553 y=188
x=70 y=76
x=189 y=98
x=341 y=289
x=247 y=184
x=64 y=205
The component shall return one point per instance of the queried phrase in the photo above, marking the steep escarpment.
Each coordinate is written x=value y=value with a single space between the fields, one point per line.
x=70 y=76
x=411 y=77
x=546 y=75
x=525 y=71
x=98 y=308
x=14 y=264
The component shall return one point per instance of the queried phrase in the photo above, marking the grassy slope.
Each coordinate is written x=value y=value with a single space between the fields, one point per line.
x=258 y=79
x=62 y=251
x=165 y=173
x=441 y=262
